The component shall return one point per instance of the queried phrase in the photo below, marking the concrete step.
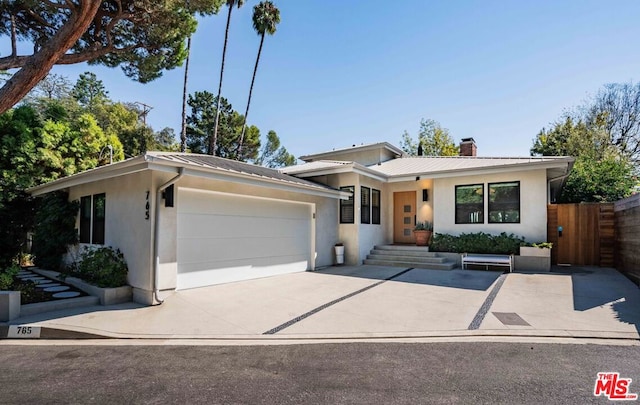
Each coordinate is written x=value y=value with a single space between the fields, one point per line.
x=435 y=266
x=406 y=253
x=48 y=306
x=376 y=255
x=403 y=248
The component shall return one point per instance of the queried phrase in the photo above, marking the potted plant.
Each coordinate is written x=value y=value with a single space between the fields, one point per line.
x=423 y=232
x=542 y=249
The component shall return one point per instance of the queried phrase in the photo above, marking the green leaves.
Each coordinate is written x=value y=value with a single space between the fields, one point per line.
x=435 y=140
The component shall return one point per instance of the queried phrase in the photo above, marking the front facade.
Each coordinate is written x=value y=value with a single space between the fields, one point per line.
x=461 y=194
x=185 y=221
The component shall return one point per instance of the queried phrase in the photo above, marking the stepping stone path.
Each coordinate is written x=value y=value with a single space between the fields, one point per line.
x=48 y=285
x=57 y=289
x=66 y=294
x=60 y=291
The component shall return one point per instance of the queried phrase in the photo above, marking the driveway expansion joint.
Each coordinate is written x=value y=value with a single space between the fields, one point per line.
x=486 y=305
x=330 y=303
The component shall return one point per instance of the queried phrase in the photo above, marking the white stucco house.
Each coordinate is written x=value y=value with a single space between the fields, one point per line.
x=185 y=220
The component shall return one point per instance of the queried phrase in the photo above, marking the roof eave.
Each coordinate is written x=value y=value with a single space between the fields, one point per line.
x=249 y=179
x=318 y=156
x=516 y=167
x=99 y=173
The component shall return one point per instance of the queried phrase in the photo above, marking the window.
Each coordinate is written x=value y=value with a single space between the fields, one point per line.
x=346 y=207
x=365 y=205
x=92 y=219
x=375 y=206
x=504 y=202
x=470 y=204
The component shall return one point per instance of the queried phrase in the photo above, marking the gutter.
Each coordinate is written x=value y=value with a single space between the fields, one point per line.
x=561 y=179
x=156 y=231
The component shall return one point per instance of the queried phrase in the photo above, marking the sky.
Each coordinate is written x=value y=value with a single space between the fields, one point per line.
x=339 y=73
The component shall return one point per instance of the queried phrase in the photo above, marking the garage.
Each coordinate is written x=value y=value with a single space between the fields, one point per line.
x=225 y=237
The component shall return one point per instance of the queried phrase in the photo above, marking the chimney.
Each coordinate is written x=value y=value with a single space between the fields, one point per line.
x=468 y=147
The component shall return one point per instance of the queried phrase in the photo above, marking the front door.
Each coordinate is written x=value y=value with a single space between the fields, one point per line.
x=404 y=216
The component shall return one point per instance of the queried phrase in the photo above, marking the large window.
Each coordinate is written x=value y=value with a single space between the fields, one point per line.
x=365 y=205
x=470 y=204
x=375 y=206
x=346 y=207
x=92 y=219
x=504 y=202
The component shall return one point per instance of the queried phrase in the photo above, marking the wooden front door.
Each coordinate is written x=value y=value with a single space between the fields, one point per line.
x=404 y=216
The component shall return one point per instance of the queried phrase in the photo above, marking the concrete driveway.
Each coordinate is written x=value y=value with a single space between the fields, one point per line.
x=374 y=301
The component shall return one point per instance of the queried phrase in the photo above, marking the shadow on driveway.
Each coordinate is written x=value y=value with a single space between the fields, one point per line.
x=595 y=287
x=479 y=280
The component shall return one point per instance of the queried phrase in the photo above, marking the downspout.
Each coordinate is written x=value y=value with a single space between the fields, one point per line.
x=156 y=232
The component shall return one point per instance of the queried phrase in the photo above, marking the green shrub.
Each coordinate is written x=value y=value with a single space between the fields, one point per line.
x=55 y=229
x=103 y=267
x=477 y=243
x=7 y=275
x=16 y=219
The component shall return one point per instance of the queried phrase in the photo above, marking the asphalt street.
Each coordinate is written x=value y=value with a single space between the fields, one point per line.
x=354 y=373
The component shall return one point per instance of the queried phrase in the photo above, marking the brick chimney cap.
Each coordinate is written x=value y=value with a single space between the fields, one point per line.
x=468 y=140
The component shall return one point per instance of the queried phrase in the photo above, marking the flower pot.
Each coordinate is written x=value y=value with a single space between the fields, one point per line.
x=339 y=254
x=422 y=237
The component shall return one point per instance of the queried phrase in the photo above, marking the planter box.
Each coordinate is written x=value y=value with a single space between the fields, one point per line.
x=107 y=296
x=535 y=251
x=9 y=305
x=533 y=259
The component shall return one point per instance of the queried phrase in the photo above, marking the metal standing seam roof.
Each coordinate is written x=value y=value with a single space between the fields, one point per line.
x=408 y=166
x=205 y=163
x=191 y=160
x=315 y=165
x=443 y=164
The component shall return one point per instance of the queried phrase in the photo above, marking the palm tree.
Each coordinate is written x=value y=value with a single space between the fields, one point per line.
x=214 y=140
x=183 y=133
x=265 y=18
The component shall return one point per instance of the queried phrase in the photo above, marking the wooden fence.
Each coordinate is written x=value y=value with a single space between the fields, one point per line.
x=627 y=221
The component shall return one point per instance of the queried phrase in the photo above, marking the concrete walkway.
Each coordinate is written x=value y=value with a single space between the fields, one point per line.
x=375 y=301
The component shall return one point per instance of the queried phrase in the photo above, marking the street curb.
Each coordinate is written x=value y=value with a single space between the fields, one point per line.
x=54 y=333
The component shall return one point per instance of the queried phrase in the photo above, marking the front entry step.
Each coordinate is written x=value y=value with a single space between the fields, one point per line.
x=407 y=256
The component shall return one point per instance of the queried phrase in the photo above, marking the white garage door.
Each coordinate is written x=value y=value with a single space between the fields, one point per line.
x=226 y=237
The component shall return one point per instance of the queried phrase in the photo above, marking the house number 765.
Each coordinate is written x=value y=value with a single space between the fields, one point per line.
x=146 y=207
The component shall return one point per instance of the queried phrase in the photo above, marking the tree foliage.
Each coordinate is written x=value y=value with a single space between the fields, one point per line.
x=144 y=37
x=616 y=108
x=89 y=91
x=435 y=140
x=273 y=154
x=601 y=172
x=55 y=229
x=266 y=17
x=201 y=125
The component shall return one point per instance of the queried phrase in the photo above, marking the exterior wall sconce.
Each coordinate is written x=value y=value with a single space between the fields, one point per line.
x=425 y=195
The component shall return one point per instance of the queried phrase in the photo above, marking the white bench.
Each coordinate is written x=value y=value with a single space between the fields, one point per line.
x=487 y=260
